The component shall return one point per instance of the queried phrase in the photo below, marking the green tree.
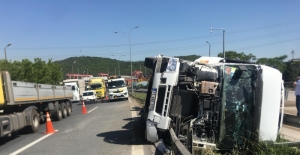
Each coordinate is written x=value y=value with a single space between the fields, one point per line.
x=39 y=71
x=292 y=71
x=26 y=74
x=15 y=71
x=54 y=74
x=238 y=56
x=276 y=62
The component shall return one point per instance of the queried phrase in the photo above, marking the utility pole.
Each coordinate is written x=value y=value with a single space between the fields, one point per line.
x=211 y=29
x=107 y=70
x=77 y=73
x=115 y=71
x=293 y=52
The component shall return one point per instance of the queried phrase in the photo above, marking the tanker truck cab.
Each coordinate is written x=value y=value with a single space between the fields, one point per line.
x=117 y=88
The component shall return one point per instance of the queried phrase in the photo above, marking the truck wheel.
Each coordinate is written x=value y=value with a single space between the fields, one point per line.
x=64 y=110
x=57 y=112
x=69 y=108
x=34 y=122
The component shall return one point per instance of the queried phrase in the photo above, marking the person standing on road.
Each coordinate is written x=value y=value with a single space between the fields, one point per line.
x=297 y=93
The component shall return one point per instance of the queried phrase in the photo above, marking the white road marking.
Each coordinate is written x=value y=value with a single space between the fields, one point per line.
x=129 y=100
x=135 y=149
x=93 y=109
x=31 y=144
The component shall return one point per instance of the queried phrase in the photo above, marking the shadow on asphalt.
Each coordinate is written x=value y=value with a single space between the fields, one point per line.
x=124 y=137
x=5 y=140
x=134 y=133
x=135 y=109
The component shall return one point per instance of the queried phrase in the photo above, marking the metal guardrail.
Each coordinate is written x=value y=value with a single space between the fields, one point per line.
x=178 y=148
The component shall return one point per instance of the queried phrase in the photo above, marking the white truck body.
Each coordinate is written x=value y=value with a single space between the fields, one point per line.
x=218 y=101
x=78 y=87
x=117 y=89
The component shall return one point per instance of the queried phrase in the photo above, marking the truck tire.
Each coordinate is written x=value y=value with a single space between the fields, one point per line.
x=69 y=108
x=57 y=112
x=34 y=122
x=64 y=110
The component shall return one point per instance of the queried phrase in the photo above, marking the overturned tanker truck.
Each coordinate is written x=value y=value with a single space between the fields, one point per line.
x=213 y=102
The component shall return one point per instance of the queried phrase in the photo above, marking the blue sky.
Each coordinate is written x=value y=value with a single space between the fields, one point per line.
x=59 y=29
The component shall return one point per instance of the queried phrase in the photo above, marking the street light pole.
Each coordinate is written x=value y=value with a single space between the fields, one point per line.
x=72 y=67
x=211 y=29
x=118 y=62
x=128 y=35
x=208 y=48
x=5 y=50
x=77 y=73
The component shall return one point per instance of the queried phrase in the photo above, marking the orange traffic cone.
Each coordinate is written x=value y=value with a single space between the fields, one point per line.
x=49 y=127
x=106 y=97
x=83 y=108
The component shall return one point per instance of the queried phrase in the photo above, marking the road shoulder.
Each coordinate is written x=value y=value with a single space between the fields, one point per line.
x=139 y=129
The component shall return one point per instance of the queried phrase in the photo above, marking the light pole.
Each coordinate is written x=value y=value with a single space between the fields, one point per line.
x=77 y=73
x=128 y=35
x=5 y=50
x=208 y=48
x=118 y=62
x=72 y=67
x=116 y=71
x=108 y=70
x=211 y=29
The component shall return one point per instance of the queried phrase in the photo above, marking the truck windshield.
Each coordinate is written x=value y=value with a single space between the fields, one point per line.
x=88 y=93
x=238 y=99
x=116 y=84
x=96 y=86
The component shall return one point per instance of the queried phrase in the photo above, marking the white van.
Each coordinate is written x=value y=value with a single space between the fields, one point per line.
x=89 y=96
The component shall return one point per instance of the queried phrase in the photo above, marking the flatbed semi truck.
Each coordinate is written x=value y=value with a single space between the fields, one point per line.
x=23 y=105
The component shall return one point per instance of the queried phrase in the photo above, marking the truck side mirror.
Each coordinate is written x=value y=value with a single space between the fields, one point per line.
x=80 y=96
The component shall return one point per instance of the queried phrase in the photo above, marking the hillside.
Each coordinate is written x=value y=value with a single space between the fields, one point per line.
x=95 y=65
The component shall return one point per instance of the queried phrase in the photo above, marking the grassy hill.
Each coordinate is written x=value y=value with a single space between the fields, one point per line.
x=95 y=65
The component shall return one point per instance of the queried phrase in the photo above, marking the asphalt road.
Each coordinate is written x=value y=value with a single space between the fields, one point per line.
x=106 y=129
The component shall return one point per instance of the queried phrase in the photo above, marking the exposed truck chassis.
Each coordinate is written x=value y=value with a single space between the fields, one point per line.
x=214 y=104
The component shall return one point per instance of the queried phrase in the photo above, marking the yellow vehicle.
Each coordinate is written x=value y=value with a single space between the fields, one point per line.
x=97 y=84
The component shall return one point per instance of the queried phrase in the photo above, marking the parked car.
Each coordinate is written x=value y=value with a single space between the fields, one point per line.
x=89 y=96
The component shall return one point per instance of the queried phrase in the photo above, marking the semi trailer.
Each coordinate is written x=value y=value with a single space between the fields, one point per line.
x=23 y=105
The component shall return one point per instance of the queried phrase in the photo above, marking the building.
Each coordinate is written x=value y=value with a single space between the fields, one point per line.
x=78 y=76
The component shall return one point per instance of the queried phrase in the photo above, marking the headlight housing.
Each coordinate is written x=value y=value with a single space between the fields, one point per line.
x=152 y=100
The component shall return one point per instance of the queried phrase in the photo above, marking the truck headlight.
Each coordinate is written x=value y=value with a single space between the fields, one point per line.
x=152 y=101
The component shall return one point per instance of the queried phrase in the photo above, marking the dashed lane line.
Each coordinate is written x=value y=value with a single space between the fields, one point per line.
x=92 y=109
x=31 y=144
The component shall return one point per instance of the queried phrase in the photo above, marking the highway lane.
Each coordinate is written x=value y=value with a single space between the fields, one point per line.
x=105 y=130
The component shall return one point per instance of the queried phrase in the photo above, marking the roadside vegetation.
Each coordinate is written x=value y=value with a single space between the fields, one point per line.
x=37 y=71
x=139 y=95
x=253 y=148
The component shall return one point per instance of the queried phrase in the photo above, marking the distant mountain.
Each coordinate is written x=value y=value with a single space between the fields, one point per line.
x=95 y=65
